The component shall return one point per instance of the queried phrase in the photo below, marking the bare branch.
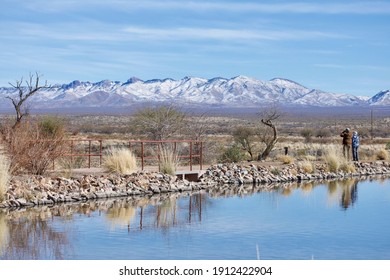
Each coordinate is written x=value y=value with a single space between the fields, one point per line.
x=25 y=92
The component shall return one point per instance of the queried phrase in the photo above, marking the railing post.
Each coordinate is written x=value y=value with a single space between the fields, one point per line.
x=142 y=155
x=190 y=155
x=201 y=155
x=100 y=152
x=71 y=151
x=89 y=153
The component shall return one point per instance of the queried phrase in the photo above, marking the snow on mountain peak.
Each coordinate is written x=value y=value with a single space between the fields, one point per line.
x=381 y=98
x=239 y=91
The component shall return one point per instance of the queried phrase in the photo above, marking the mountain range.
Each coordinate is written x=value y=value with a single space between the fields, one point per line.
x=240 y=91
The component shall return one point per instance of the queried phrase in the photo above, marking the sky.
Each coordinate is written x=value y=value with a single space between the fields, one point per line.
x=335 y=46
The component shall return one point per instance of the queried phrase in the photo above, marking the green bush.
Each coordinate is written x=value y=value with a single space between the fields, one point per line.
x=232 y=154
x=50 y=126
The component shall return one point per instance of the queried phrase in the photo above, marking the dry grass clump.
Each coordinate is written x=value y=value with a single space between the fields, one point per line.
x=332 y=161
x=120 y=160
x=4 y=176
x=306 y=166
x=169 y=160
x=333 y=158
x=285 y=159
x=347 y=167
x=382 y=155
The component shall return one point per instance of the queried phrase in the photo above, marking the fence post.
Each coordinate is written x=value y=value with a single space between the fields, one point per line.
x=100 y=152
x=89 y=153
x=142 y=155
x=201 y=155
x=190 y=155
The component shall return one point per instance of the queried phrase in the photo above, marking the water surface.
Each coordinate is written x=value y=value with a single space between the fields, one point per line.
x=333 y=220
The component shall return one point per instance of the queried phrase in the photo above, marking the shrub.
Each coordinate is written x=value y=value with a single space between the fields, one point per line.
x=306 y=166
x=382 y=155
x=120 y=160
x=285 y=159
x=307 y=133
x=168 y=160
x=332 y=160
x=232 y=154
x=51 y=126
x=4 y=176
x=30 y=148
x=388 y=146
x=347 y=167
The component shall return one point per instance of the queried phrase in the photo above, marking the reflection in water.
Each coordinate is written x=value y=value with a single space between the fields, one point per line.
x=46 y=232
x=4 y=233
x=29 y=235
x=349 y=193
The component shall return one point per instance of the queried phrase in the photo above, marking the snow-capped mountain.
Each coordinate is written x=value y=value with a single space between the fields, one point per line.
x=381 y=98
x=240 y=91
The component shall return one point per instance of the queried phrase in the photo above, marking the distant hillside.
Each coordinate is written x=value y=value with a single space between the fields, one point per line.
x=237 y=92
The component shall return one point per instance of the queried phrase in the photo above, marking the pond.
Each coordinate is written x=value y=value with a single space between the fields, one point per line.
x=333 y=220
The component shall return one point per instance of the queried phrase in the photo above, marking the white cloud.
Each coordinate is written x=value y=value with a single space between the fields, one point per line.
x=226 y=34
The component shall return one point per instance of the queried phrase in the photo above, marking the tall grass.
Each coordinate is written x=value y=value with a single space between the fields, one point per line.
x=336 y=161
x=4 y=176
x=306 y=166
x=120 y=160
x=169 y=160
x=382 y=154
x=333 y=159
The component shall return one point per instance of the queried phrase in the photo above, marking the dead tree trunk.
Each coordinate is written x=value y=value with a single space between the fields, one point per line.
x=270 y=143
x=268 y=117
x=23 y=93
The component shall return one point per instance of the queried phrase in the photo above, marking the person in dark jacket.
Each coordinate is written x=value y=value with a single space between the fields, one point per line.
x=355 y=146
x=347 y=142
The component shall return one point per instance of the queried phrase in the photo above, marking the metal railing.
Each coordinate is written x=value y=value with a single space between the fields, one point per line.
x=148 y=152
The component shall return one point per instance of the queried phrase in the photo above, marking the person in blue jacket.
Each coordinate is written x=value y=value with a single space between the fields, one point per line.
x=355 y=146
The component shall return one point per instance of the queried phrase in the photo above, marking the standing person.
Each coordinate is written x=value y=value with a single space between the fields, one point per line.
x=347 y=142
x=355 y=146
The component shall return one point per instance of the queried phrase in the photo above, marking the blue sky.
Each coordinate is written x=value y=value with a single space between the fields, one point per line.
x=336 y=46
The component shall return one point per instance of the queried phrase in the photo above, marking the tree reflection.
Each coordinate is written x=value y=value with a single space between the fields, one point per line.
x=30 y=235
x=33 y=234
x=171 y=211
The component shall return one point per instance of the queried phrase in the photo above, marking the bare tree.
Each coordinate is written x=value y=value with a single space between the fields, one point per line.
x=268 y=118
x=23 y=93
x=160 y=123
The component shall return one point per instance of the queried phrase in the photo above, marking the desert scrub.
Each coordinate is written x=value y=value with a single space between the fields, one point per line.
x=4 y=176
x=286 y=159
x=382 y=155
x=306 y=166
x=347 y=167
x=120 y=160
x=232 y=154
x=168 y=160
x=333 y=159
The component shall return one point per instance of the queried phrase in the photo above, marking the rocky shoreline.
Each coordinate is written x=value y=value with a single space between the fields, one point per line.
x=28 y=191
